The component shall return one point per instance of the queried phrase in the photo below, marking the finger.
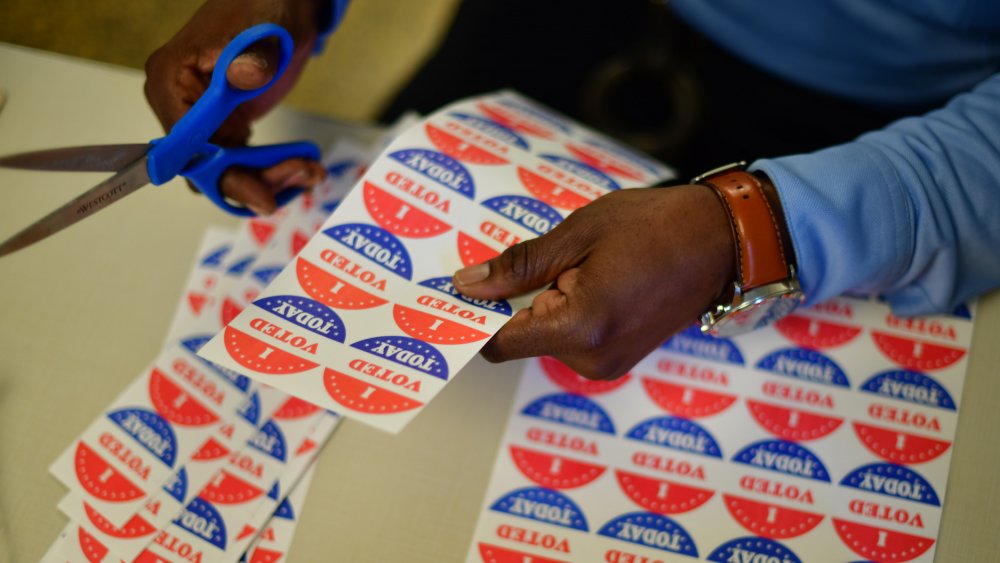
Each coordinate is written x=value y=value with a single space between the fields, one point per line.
x=255 y=66
x=551 y=326
x=526 y=266
x=244 y=186
x=257 y=188
x=171 y=89
x=293 y=173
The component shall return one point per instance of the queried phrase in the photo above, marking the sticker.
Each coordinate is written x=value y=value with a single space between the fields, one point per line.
x=790 y=424
x=572 y=382
x=815 y=334
x=676 y=433
x=910 y=386
x=693 y=342
x=784 y=457
x=916 y=355
x=753 y=549
x=438 y=167
x=554 y=471
x=650 y=530
x=892 y=480
x=529 y=213
x=408 y=352
x=771 y=520
x=686 y=401
x=805 y=365
x=259 y=356
x=340 y=292
x=662 y=496
x=899 y=447
x=357 y=395
x=880 y=544
x=402 y=218
x=571 y=410
x=542 y=505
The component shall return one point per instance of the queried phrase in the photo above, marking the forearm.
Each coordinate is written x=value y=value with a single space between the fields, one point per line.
x=909 y=211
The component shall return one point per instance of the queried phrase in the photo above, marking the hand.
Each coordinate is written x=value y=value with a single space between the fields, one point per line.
x=627 y=272
x=179 y=71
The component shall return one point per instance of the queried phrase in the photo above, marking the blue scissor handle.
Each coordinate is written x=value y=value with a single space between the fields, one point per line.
x=205 y=172
x=186 y=150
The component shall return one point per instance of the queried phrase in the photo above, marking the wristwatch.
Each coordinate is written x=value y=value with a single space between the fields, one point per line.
x=766 y=287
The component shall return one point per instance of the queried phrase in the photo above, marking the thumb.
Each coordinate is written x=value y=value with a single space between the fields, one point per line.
x=524 y=267
x=255 y=66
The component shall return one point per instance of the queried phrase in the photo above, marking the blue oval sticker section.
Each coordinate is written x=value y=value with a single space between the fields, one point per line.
x=239 y=267
x=692 y=342
x=627 y=155
x=150 y=431
x=535 y=113
x=306 y=313
x=265 y=275
x=805 y=365
x=177 y=485
x=202 y=519
x=214 y=257
x=445 y=285
x=585 y=171
x=651 y=530
x=194 y=343
x=753 y=549
x=270 y=441
x=409 y=352
x=542 y=505
x=491 y=128
x=892 y=480
x=784 y=457
x=439 y=167
x=285 y=510
x=250 y=409
x=571 y=410
x=962 y=312
x=530 y=213
x=910 y=386
x=676 y=433
x=379 y=245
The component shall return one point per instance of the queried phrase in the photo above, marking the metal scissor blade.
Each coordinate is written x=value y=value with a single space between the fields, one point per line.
x=133 y=177
x=97 y=158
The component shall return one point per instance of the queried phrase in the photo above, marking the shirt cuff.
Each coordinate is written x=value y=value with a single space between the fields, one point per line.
x=850 y=221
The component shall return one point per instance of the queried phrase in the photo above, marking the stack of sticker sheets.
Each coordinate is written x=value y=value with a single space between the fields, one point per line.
x=194 y=462
x=826 y=438
x=365 y=319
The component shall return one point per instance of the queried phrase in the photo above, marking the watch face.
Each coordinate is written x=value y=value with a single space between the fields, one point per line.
x=754 y=314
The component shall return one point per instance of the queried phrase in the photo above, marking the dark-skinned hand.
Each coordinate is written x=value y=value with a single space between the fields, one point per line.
x=623 y=274
x=179 y=72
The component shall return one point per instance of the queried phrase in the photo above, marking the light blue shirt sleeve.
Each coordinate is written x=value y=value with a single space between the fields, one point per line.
x=911 y=211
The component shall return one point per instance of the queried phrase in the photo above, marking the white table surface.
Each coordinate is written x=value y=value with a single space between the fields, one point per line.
x=85 y=311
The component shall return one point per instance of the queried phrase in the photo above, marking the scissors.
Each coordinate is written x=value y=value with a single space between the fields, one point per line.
x=184 y=151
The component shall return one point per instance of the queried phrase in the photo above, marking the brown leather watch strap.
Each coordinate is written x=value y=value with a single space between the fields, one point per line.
x=760 y=251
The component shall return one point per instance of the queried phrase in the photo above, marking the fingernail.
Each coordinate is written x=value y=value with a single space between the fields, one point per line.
x=473 y=274
x=252 y=58
x=260 y=211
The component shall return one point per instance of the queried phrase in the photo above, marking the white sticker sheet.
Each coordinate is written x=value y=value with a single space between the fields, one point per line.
x=365 y=319
x=193 y=461
x=825 y=438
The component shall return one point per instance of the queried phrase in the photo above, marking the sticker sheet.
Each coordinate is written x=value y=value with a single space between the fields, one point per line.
x=365 y=319
x=825 y=438
x=192 y=461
